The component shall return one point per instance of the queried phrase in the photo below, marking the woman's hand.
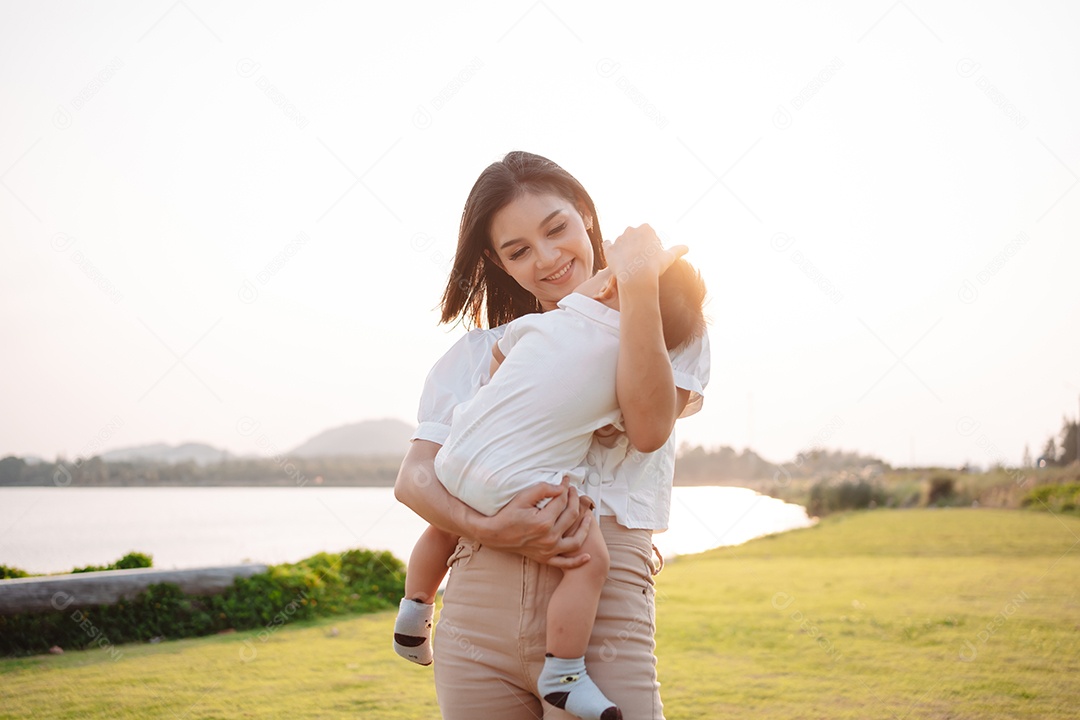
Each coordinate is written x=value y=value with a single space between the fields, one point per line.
x=552 y=535
x=638 y=255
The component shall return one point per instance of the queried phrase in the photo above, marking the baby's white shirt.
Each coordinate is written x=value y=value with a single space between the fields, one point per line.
x=636 y=485
x=534 y=421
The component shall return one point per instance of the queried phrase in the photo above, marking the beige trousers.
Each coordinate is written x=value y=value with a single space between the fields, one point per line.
x=489 y=640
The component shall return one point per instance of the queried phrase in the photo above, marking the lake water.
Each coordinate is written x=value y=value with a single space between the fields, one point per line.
x=46 y=530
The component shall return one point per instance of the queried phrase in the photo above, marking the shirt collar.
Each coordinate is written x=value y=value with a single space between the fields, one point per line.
x=592 y=309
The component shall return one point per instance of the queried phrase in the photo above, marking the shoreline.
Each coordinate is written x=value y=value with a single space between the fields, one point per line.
x=54 y=531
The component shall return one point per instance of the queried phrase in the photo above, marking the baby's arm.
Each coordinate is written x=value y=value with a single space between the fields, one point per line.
x=497 y=358
x=609 y=436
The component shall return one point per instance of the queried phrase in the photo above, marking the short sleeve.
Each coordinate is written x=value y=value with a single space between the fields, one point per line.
x=511 y=332
x=454 y=378
x=690 y=367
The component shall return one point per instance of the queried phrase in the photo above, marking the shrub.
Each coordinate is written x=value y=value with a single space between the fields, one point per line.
x=827 y=496
x=134 y=560
x=942 y=489
x=1055 y=498
x=130 y=561
x=12 y=572
x=322 y=585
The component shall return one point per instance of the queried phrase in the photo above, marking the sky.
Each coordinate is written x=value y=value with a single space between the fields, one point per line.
x=233 y=224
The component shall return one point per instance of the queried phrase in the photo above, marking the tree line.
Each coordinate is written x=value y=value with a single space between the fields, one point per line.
x=1062 y=450
x=377 y=471
x=695 y=466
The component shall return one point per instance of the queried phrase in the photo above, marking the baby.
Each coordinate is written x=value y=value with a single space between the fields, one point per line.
x=534 y=422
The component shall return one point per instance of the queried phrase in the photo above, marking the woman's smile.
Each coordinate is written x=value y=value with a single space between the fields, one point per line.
x=561 y=274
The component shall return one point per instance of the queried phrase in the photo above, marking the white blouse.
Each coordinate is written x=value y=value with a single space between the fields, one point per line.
x=633 y=486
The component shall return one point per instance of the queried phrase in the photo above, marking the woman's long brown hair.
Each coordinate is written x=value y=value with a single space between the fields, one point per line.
x=480 y=290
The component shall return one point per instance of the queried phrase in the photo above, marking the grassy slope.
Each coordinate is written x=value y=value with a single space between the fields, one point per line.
x=995 y=488
x=867 y=615
x=870 y=615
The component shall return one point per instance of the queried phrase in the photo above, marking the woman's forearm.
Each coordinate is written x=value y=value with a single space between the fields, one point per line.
x=645 y=386
x=419 y=489
x=553 y=535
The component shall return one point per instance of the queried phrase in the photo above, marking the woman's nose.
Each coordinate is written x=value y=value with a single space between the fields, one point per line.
x=546 y=254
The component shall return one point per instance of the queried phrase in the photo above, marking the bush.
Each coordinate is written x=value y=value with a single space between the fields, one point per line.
x=134 y=560
x=130 y=561
x=325 y=584
x=12 y=572
x=827 y=497
x=1055 y=498
x=942 y=489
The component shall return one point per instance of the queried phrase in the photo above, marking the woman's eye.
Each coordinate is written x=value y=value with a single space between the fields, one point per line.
x=557 y=230
x=517 y=254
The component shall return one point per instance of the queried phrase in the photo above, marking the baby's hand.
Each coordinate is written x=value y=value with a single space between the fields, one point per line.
x=637 y=253
x=609 y=436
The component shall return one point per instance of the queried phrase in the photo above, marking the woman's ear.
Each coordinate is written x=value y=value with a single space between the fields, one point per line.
x=584 y=213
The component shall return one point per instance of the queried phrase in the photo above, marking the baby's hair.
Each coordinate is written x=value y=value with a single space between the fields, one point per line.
x=682 y=295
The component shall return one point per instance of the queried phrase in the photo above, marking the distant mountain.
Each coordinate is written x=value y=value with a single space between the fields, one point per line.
x=200 y=453
x=369 y=437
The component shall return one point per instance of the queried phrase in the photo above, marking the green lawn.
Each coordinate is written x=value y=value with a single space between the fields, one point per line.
x=950 y=613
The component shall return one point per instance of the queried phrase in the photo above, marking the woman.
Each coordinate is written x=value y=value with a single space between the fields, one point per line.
x=529 y=235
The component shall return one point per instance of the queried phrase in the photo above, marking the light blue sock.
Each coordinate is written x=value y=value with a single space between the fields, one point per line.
x=565 y=684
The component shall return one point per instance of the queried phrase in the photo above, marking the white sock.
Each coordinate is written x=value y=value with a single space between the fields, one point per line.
x=412 y=631
x=565 y=684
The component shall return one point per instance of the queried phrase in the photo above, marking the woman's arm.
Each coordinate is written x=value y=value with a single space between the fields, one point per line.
x=552 y=535
x=644 y=385
x=608 y=436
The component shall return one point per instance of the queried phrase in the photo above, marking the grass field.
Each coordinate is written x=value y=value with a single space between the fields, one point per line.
x=951 y=613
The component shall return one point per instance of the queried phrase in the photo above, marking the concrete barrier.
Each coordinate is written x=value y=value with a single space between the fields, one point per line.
x=107 y=587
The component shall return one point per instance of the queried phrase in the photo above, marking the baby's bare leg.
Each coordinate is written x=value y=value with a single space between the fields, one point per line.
x=572 y=608
x=427 y=567
x=564 y=681
x=427 y=564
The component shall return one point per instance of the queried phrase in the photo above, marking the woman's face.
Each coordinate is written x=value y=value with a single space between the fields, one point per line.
x=541 y=242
